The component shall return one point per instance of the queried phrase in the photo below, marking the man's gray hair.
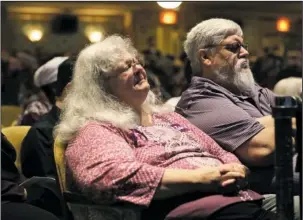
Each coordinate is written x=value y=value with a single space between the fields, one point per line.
x=89 y=99
x=208 y=33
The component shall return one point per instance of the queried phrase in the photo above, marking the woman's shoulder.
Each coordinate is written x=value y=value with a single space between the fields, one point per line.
x=93 y=131
x=96 y=126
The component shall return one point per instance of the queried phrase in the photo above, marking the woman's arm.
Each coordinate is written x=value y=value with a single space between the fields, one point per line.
x=206 y=179
x=105 y=168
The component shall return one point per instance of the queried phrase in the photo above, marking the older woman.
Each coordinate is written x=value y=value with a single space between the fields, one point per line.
x=123 y=147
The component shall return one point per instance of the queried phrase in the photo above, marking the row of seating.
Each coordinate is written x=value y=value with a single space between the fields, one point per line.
x=9 y=115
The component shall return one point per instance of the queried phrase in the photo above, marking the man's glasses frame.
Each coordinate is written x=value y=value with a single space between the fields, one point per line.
x=232 y=47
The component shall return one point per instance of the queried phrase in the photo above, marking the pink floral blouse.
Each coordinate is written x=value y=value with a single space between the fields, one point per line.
x=110 y=165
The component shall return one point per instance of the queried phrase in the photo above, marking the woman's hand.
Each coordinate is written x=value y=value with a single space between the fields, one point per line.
x=225 y=169
x=233 y=185
x=212 y=179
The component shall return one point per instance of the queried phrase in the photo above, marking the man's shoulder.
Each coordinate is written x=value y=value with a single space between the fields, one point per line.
x=202 y=89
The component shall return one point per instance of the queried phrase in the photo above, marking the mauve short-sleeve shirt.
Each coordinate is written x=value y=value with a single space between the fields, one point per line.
x=228 y=118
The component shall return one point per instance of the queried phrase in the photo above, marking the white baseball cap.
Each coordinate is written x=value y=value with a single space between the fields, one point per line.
x=47 y=73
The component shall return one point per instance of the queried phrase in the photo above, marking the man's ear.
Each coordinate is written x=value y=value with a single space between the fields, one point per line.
x=204 y=57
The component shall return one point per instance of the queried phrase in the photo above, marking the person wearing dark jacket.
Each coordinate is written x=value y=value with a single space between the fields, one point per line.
x=37 y=148
x=14 y=202
x=37 y=157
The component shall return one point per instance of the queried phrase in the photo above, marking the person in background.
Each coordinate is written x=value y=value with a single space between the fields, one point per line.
x=28 y=64
x=37 y=147
x=266 y=68
x=43 y=98
x=293 y=67
x=224 y=101
x=152 y=47
x=10 y=79
x=122 y=147
x=14 y=205
x=290 y=86
x=37 y=155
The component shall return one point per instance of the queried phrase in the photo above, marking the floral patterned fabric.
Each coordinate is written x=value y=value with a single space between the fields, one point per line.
x=109 y=165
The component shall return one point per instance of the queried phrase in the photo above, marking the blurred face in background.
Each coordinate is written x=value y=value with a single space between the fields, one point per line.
x=294 y=58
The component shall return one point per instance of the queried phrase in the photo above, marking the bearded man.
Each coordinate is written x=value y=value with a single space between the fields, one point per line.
x=224 y=101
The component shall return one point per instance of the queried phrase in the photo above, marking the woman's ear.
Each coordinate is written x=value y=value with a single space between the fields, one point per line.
x=204 y=57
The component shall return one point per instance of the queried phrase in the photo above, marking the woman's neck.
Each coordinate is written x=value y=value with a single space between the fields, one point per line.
x=145 y=117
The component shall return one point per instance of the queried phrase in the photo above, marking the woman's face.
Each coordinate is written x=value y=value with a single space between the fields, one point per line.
x=129 y=82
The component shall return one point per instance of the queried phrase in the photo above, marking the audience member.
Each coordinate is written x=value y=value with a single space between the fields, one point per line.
x=37 y=147
x=43 y=99
x=290 y=86
x=224 y=101
x=10 y=79
x=293 y=66
x=152 y=47
x=28 y=64
x=266 y=68
x=122 y=147
x=37 y=156
x=14 y=205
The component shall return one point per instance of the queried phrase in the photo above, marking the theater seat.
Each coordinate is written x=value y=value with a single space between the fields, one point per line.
x=80 y=206
x=15 y=135
x=9 y=113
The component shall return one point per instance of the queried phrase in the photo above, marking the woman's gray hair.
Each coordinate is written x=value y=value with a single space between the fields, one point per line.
x=88 y=99
x=208 y=33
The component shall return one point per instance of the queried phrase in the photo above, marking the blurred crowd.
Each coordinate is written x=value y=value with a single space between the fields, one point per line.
x=22 y=83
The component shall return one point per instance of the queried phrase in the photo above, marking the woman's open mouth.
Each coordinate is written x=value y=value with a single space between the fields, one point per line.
x=138 y=78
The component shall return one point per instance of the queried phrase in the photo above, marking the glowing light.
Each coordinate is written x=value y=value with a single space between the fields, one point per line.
x=35 y=35
x=283 y=24
x=169 y=5
x=168 y=17
x=95 y=36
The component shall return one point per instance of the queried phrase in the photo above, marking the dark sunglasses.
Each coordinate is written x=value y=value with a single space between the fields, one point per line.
x=235 y=47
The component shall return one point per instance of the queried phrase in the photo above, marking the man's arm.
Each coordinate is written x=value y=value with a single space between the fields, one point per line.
x=259 y=150
x=235 y=130
x=268 y=121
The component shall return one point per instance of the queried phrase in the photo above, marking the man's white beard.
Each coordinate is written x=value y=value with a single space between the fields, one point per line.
x=238 y=79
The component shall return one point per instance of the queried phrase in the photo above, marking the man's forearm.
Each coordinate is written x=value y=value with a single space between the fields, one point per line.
x=268 y=121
